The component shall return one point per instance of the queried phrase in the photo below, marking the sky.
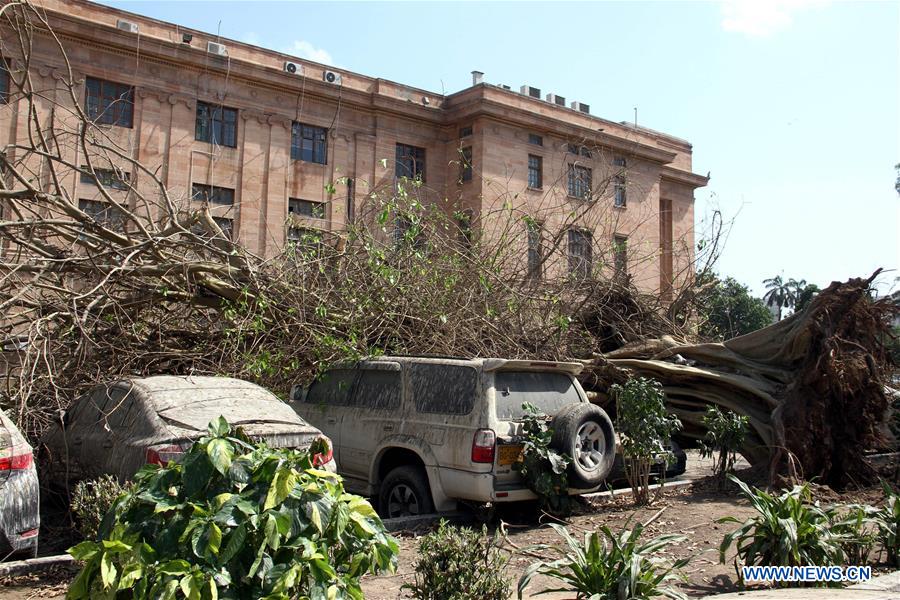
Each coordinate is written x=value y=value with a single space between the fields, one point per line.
x=792 y=106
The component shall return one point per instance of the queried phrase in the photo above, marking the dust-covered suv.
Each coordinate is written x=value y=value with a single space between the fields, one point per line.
x=424 y=433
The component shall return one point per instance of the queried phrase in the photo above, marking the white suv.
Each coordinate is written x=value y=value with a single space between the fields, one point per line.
x=420 y=433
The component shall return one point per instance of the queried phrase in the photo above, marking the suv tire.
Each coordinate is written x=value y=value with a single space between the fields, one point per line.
x=404 y=492
x=584 y=433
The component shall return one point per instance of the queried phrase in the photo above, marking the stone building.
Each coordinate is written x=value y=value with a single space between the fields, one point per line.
x=280 y=145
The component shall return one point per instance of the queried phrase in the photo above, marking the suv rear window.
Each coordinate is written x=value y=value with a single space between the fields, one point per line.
x=377 y=389
x=549 y=392
x=443 y=389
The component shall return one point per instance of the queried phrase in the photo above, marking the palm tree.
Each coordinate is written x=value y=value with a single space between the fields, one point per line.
x=780 y=293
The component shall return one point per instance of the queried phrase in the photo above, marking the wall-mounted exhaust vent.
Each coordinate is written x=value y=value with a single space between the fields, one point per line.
x=477 y=77
x=554 y=99
x=217 y=49
x=581 y=107
x=530 y=91
x=127 y=26
x=504 y=86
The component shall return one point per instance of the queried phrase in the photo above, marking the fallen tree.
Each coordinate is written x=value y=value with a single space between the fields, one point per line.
x=814 y=385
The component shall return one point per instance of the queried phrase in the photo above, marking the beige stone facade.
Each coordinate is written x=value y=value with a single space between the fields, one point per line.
x=640 y=190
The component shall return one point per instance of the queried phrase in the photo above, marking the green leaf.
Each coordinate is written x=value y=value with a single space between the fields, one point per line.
x=84 y=550
x=219 y=427
x=236 y=541
x=108 y=571
x=220 y=453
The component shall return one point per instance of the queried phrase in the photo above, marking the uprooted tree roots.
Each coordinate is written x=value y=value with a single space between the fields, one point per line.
x=812 y=385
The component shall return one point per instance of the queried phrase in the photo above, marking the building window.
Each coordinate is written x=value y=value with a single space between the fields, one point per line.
x=410 y=162
x=465 y=164
x=464 y=224
x=109 y=178
x=620 y=254
x=226 y=225
x=213 y=194
x=619 y=188
x=304 y=238
x=580 y=150
x=535 y=172
x=535 y=249
x=109 y=103
x=216 y=125
x=619 y=161
x=306 y=208
x=4 y=81
x=104 y=213
x=579 y=182
x=309 y=143
x=465 y=132
x=580 y=253
x=535 y=139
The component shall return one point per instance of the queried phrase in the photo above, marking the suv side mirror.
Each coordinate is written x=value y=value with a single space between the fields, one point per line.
x=298 y=394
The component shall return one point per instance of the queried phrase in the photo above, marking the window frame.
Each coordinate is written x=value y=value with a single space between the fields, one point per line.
x=107 y=178
x=317 y=137
x=620 y=255
x=465 y=164
x=211 y=194
x=534 y=232
x=5 y=80
x=535 y=139
x=113 y=103
x=538 y=169
x=620 y=192
x=577 y=186
x=410 y=158
x=316 y=209
x=217 y=117
x=581 y=264
x=106 y=215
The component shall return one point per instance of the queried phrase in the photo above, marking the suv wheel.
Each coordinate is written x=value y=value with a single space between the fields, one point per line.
x=404 y=492
x=584 y=432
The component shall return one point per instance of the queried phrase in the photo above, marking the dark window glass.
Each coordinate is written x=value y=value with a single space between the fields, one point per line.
x=535 y=249
x=580 y=253
x=332 y=388
x=309 y=143
x=104 y=213
x=465 y=164
x=110 y=178
x=579 y=181
x=4 y=80
x=535 y=139
x=410 y=162
x=213 y=194
x=535 y=172
x=549 y=392
x=619 y=161
x=619 y=187
x=226 y=225
x=464 y=223
x=304 y=237
x=306 y=208
x=108 y=102
x=582 y=150
x=216 y=124
x=620 y=252
x=465 y=132
x=377 y=389
x=443 y=389
x=404 y=236
x=573 y=149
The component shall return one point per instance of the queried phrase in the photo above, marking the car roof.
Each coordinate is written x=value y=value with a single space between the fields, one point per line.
x=487 y=364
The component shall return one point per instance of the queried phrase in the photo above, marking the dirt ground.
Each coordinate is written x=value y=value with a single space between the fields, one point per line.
x=690 y=511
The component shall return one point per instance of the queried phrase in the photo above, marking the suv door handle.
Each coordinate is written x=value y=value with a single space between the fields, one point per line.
x=388 y=428
x=331 y=421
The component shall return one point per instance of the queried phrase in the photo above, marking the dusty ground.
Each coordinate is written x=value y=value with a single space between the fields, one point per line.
x=691 y=512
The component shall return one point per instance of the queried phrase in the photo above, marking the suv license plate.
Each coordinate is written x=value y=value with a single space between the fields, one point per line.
x=509 y=453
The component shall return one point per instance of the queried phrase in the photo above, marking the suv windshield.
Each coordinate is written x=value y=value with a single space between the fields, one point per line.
x=549 y=392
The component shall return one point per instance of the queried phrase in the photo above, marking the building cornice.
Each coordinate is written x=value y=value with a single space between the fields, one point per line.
x=683 y=177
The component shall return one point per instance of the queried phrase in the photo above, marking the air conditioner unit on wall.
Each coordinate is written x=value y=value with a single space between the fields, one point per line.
x=530 y=91
x=554 y=99
x=293 y=68
x=331 y=77
x=126 y=26
x=581 y=107
x=217 y=49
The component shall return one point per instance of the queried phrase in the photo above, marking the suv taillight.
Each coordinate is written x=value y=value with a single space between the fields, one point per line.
x=325 y=456
x=483 y=446
x=16 y=462
x=163 y=455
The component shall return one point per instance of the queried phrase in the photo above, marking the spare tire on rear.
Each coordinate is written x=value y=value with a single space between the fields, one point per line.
x=584 y=432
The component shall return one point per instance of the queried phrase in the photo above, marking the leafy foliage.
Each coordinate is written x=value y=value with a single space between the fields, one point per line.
x=235 y=521
x=725 y=433
x=728 y=310
x=542 y=468
x=788 y=530
x=805 y=294
x=91 y=500
x=855 y=526
x=607 y=565
x=644 y=427
x=888 y=522
x=457 y=563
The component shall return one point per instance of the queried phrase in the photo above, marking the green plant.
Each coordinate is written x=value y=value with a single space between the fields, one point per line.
x=727 y=309
x=888 y=522
x=789 y=530
x=615 y=566
x=91 y=500
x=725 y=432
x=855 y=526
x=644 y=427
x=234 y=520
x=457 y=563
x=542 y=468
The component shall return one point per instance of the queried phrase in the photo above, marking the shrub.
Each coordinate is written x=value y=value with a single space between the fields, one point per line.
x=725 y=432
x=542 y=468
x=459 y=564
x=91 y=500
x=644 y=427
x=855 y=526
x=787 y=531
x=609 y=567
x=237 y=521
x=888 y=522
